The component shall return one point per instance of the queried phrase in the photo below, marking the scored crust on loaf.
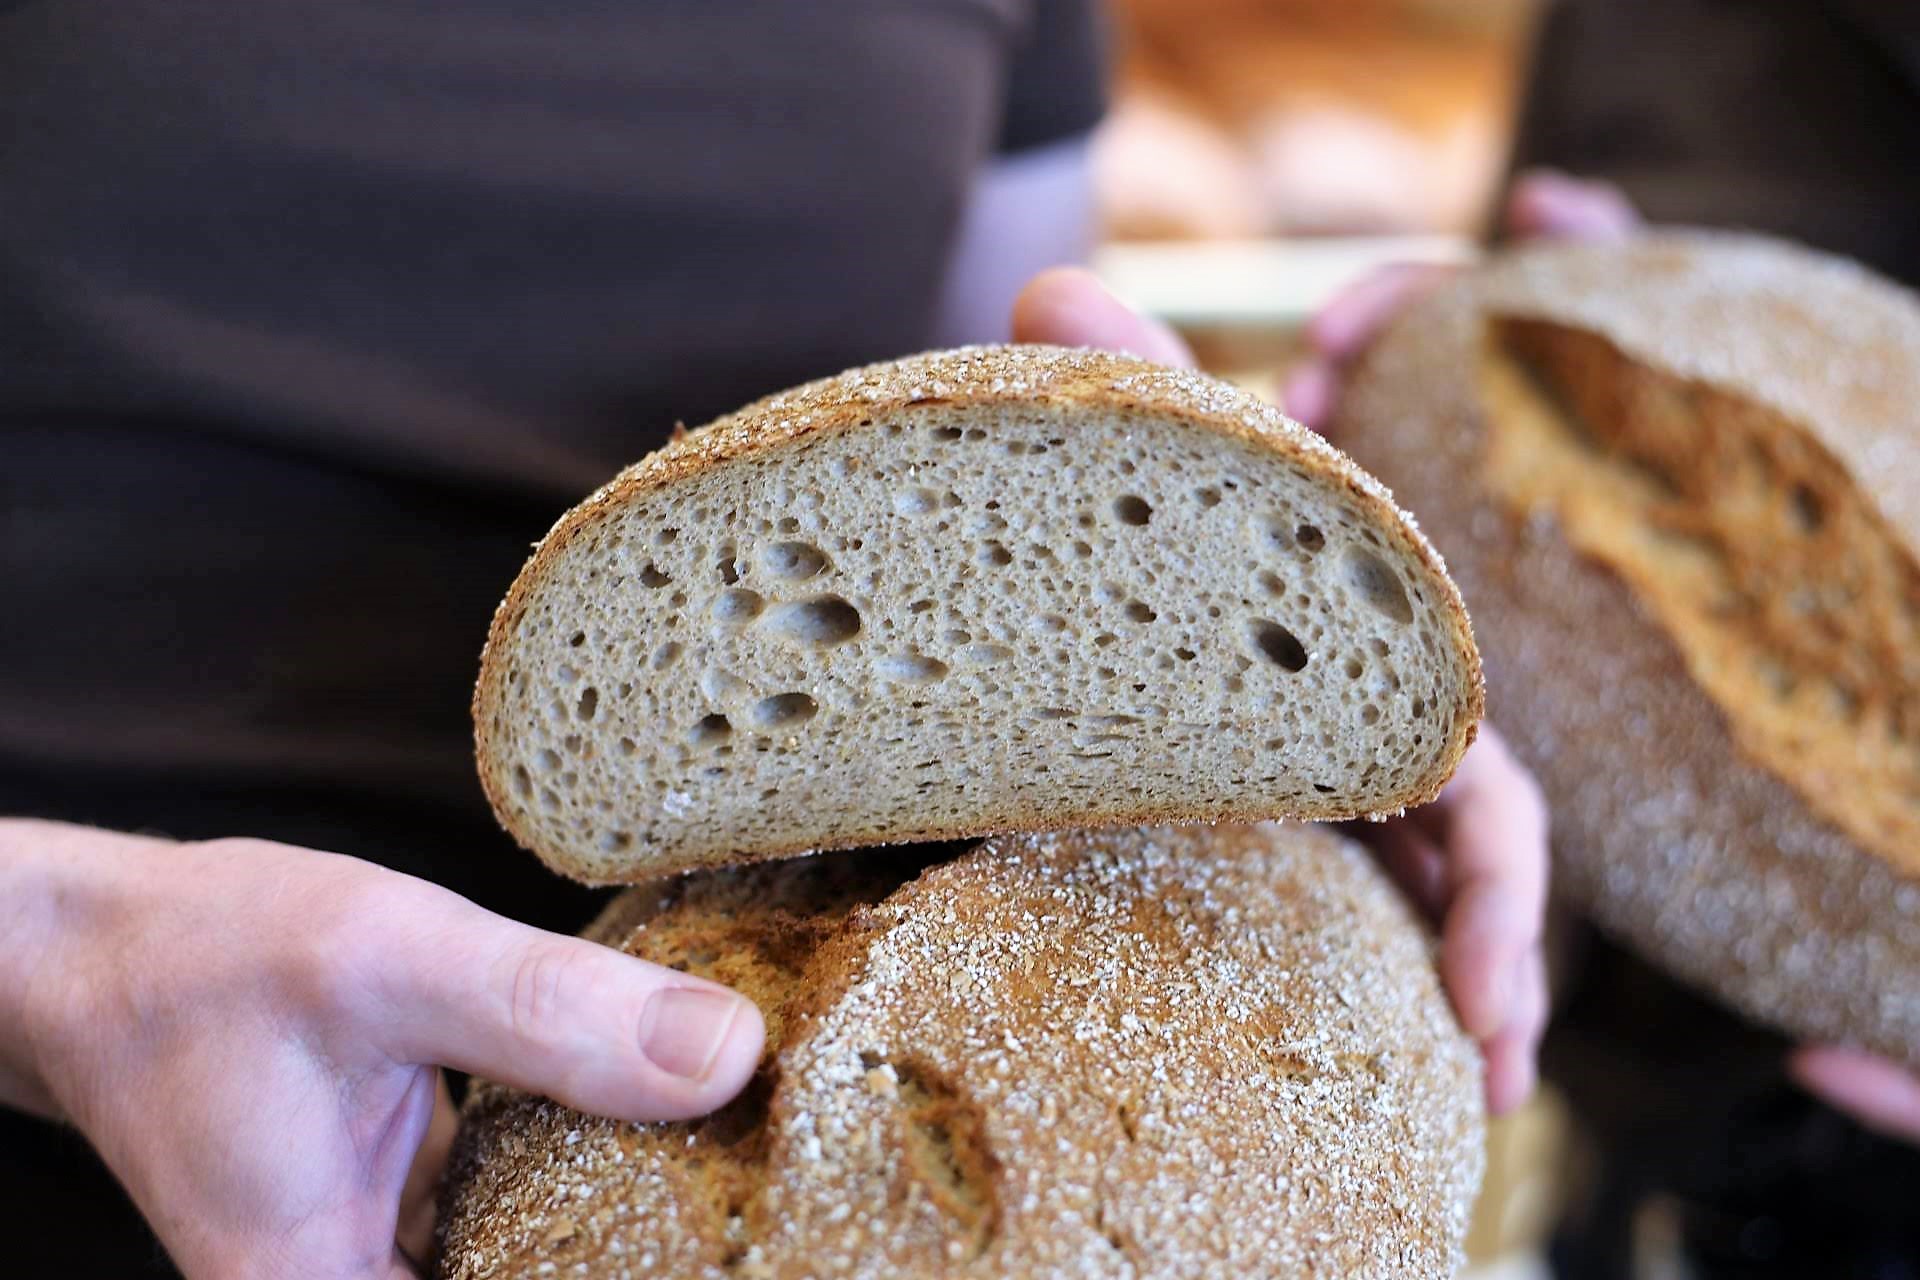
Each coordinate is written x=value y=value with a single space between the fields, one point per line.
x=1679 y=482
x=1161 y=1053
x=992 y=589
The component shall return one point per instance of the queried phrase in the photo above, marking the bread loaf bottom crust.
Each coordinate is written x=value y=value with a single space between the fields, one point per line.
x=1172 y=1053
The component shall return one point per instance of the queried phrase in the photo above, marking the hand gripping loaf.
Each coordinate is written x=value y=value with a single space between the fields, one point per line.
x=983 y=590
x=1153 y=1054
x=1680 y=481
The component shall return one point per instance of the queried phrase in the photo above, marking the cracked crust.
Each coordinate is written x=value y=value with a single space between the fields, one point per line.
x=1168 y=1053
x=1682 y=829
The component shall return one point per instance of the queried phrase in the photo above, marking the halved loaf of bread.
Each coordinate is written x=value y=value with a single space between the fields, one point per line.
x=984 y=590
x=1680 y=482
x=1156 y=1054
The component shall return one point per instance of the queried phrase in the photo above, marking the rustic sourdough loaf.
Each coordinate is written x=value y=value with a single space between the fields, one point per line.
x=1162 y=1053
x=1680 y=482
x=983 y=590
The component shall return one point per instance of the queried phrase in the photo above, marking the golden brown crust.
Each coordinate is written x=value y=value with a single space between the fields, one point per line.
x=1674 y=840
x=1151 y=1053
x=981 y=376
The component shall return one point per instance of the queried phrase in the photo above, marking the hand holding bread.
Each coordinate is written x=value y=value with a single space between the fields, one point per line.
x=251 y=1035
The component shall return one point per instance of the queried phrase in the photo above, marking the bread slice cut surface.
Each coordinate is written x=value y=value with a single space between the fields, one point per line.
x=975 y=591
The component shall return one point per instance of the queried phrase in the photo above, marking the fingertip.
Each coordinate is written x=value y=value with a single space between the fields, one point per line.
x=1308 y=396
x=1349 y=323
x=1511 y=1076
x=1552 y=204
x=702 y=1043
x=739 y=1055
x=1071 y=307
x=1054 y=292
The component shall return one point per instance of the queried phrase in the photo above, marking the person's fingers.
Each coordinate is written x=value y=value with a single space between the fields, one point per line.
x=419 y=1198
x=1311 y=393
x=1511 y=1053
x=1547 y=204
x=1880 y=1094
x=1348 y=324
x=1414 y=862
x=1495 y=836
x=1069 y=307
x=577 y=1022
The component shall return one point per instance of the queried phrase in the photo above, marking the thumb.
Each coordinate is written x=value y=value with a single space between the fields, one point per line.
x=1552 y=205
x=1070 y=307
x=569 y=1019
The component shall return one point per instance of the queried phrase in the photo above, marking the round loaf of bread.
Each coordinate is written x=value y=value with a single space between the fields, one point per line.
x=1679 y=482
x=1148 y=1053
x=975 y=591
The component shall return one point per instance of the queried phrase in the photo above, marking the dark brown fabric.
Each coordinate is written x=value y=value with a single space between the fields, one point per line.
x=1797 y=117
x=315 y=314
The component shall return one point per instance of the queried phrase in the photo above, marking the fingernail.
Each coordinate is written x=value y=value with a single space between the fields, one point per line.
x=682 y=1029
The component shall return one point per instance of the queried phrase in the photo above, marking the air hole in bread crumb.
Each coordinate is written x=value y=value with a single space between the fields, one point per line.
x=782 y=711
x=1369 y=714
x=1280 y=645
x=947 y=433
x=1309 y=538
x=921 y=605
x=1354 y=668
x=1185 y=655
x=819 y=622
x=522 y=782
x=666 y=655
x=737 y=608
x=577 y=639
x=666 y=536
x=911 y=668
x=710 y=730
x=1132 y=509
x=1323 y=788
x=1808 y=511
x=1208 y=497
x=794 y=561
x=1081 y=549
x=728 y=566
x=549 y=798
x=1419 y=708
x=548 y=759
x=996 y=556
x=616 y=842
x=627 y=746
x=1377 y=584
x=1138 y=611
x=589 y=703
x=1272 y=585
x=652 y=576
